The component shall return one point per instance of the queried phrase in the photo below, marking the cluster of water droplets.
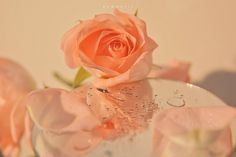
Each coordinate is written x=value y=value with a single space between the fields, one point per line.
x=123 y=109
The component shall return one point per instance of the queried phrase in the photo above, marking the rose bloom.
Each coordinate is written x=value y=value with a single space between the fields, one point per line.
x=114 y=47
x=15 y=83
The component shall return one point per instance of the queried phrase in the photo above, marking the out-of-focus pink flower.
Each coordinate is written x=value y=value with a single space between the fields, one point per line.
x=63 y=123
x=15 y=83
x=114 y=47
x=195 y=132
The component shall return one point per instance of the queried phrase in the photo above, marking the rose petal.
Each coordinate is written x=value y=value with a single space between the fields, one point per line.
x=96 y=70
x=107 y=62
x=137 y=72
x=140 y=27
x=91 y=50
x=69 y=45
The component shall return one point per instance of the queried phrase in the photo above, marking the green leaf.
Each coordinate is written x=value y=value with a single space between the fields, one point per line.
x=45 y=87
x=81 y=75
x=63 y=80
x=136 y=12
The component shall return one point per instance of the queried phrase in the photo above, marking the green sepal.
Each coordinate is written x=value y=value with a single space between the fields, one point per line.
x=81 y=75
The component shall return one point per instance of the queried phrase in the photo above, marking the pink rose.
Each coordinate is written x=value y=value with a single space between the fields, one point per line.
x=15 y=83
x=115 y=48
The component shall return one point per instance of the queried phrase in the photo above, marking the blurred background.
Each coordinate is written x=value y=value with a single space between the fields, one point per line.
x=200 y=31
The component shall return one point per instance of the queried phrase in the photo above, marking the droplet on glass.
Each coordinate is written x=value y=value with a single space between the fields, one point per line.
x=176 y=102
x=85 y=146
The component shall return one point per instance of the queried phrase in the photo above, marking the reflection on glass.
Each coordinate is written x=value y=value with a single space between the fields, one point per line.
x=123 y=108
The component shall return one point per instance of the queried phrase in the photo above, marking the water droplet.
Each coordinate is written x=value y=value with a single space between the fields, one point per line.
x=81 y=148
x=176 y=102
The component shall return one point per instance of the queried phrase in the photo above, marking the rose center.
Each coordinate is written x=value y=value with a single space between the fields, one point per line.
x=117 y=49
x=117 y=46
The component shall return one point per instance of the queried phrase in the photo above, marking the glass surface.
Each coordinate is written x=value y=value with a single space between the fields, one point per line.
x=168 y=94
x=133 y=123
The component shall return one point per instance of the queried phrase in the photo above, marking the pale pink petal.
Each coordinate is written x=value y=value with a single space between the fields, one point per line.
x=15 y=83
x=18 y=112
x=176 y=70
x=58 y=110
x=28 y=128
x=70 y=144
x=62 y=120
x=16 y=74
x=194 y=143
x=183 y=131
